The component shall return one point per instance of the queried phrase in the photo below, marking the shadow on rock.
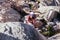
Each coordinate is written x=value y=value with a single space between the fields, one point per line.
x=7 y=37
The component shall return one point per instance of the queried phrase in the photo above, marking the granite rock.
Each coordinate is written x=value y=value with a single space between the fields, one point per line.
x=19 y=31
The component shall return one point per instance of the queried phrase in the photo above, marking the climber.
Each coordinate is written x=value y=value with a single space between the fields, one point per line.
x=30 y=19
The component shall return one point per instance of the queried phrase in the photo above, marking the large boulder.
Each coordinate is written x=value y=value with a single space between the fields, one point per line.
x=19 y=31
x=7 y=14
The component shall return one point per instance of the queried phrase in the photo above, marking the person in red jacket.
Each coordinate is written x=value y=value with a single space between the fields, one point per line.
x=30 y=19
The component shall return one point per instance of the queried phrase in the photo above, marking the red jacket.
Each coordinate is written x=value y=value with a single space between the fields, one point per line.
x=29 y=20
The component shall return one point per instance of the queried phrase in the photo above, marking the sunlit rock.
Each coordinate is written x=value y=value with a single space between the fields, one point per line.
x=55 y=37
x=19 y=31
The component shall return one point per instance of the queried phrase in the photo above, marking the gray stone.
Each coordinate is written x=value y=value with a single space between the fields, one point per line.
x=51 y=15
x=51 y=23
x=45 y=11
x=19 y=31
x=8 y=14
x=58 y=25
x=55 y=37
x=49 y=2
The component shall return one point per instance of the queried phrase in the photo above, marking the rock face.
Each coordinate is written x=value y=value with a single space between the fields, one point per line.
x=2 y=0
x=8 y=14
x=18 y=31
x=50 y=3
x=57 y=27
x=45 y=10
x=51 y=15
x=55 y=37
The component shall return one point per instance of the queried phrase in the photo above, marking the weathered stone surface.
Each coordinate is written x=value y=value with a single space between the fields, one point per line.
x=46 y=9
x=18 y=31
x=2 y=0
x=49 y=2
x=51 y=15
x=55 y=37
x=58 y=26
x=8 y=14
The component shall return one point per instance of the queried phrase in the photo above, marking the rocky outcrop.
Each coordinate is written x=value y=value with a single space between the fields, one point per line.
x=8 y=14
x=49 y=2
x=19 y=31
x=55 y=37
x=45 y=10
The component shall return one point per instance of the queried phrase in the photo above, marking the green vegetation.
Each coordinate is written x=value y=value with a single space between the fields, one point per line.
x=48 y=31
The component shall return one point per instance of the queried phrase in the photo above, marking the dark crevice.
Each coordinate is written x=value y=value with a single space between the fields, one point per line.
x=18 y=9
x=7 y=37
x=10 y=31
